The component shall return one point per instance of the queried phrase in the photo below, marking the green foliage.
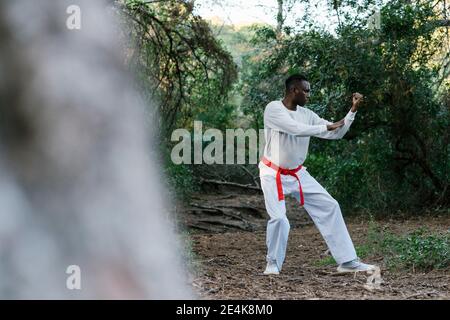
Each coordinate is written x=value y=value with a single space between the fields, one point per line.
x=181 y=67
x=237 y=40
x=397 y=147
x=177 y=59
x=214 y=110
x=419 y=249
x=180 y=179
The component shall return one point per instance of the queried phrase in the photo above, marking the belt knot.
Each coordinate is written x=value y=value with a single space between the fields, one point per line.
x=286 y=172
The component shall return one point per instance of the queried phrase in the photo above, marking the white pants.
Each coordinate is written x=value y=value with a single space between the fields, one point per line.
x=323 y=209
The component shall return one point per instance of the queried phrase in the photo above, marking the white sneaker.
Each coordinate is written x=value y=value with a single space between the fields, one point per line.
x=271 y=268
x=355 y=266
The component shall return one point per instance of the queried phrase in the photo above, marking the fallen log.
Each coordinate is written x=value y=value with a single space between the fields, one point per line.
x=231 y=184
x=221 y=211
x=233 y=224
x=254 y=178
x=254 y=211
x=196 y=226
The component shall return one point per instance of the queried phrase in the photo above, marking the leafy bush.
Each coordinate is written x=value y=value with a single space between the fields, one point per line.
x=417 y=250
x=180 y=179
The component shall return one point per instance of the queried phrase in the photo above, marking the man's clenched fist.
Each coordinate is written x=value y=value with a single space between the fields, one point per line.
x=357 y=98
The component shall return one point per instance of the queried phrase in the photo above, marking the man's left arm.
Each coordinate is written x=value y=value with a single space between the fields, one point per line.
x=347 y=120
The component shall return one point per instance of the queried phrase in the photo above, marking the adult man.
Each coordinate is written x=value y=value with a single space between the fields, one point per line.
x=288 y=128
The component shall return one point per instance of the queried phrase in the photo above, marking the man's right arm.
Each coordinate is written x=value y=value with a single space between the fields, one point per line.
x=336 y=130
x=278 y=119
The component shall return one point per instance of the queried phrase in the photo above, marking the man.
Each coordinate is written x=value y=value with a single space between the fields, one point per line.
x=288 y=128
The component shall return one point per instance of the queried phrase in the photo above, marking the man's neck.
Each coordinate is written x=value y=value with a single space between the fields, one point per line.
x=289 y=104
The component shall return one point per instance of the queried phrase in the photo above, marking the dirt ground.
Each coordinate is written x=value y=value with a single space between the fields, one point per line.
x=228 y=263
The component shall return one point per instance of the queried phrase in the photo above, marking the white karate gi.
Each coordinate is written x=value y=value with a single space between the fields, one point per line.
x=287 y=135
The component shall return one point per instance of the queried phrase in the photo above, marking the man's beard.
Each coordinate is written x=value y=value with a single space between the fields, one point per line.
x=301 y=103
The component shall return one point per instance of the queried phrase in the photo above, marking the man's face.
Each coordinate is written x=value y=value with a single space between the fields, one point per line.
x=301 y=93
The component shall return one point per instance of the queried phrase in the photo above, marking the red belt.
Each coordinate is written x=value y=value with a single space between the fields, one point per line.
x=282 y=171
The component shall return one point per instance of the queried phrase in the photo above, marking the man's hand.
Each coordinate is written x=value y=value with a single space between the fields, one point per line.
x=357 y=98
x=335 y=125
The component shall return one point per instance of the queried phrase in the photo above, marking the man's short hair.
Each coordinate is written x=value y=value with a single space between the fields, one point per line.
x=294 y=80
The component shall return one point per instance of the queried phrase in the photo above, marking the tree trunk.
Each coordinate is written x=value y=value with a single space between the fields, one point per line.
x=280 y=19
